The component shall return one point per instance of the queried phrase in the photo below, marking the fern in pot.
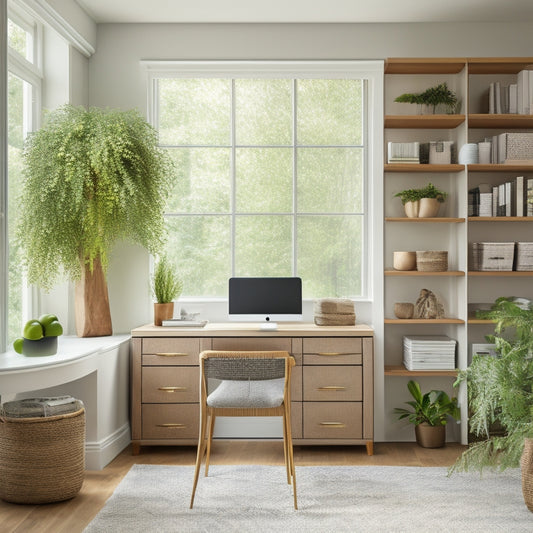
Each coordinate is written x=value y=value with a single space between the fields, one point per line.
x=422 y=203
x=167 y=287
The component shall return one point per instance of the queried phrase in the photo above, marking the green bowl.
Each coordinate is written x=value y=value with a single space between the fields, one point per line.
x=44 y=346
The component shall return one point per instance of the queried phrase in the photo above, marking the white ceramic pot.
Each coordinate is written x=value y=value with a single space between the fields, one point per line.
x=411 y=209
x=429 y=207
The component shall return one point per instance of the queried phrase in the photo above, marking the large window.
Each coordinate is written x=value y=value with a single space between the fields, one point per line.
x=271 y=174
x=23 y=88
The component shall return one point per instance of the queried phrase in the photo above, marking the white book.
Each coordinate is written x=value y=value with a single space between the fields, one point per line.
x=508 y=199
x=513 y=98
x=492 y=106
x=498 y=97
x=495 y=201
x=530 y=93
x=519 y=188
x=522 y=82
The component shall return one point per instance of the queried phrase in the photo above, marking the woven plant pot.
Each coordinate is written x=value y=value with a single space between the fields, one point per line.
x=526 y=464
x=42 y=459
x=432 y=261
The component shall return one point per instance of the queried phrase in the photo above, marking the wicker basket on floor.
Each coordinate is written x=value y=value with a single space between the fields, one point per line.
x=42 y=459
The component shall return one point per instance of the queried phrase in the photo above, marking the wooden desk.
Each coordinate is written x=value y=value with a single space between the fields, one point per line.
x=332 y=384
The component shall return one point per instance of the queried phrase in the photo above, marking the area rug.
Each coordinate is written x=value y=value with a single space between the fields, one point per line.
x=336 y=499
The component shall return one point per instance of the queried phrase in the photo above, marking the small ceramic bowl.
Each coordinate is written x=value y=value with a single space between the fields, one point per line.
x=404 y=260
x=404 y=310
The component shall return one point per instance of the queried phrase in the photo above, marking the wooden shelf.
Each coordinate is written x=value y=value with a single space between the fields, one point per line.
x=444 y=65
x=498 y=65
x=480 y=321
x=414 y=273
x=424 y=220
x=424 y=121
x=500 y=168
x=501 y=273
x=422 y=167
x=423 y=321
x=484 y=120
x=500 y=219
x=400 y=370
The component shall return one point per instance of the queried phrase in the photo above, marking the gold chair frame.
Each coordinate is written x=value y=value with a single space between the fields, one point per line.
x=209 y=414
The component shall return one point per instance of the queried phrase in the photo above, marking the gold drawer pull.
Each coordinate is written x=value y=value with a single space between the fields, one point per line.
x=172 y=389
x=172 y=354
x=331 y=387
x=171 y=425
x=333 y=424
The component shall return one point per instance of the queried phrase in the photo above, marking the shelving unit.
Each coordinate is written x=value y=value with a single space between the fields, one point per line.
x=452 y=230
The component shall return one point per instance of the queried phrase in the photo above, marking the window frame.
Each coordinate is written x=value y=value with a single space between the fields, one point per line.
x=372 y=74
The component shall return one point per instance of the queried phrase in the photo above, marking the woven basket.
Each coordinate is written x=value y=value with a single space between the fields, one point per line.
x=42 y=459
x=432 y=261
x=526 y=464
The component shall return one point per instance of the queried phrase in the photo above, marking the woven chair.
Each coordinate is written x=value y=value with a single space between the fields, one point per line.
x=244 y=383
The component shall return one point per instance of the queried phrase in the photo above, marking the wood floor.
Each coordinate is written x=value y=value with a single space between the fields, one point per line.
x=73 y=516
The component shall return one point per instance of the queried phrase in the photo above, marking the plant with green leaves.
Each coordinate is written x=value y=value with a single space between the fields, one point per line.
x=500 y=390
x=434 y=96
x=167 y=286
x=91 y=177
x=429 y=191
x=433 y=407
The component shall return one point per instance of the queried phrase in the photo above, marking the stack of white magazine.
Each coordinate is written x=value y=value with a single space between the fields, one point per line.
x=179 y=322
x=429 y=352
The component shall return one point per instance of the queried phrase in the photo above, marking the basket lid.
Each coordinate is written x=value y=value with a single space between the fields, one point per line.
x=40 y=407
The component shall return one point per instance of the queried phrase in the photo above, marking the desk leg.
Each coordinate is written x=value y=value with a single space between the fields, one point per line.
x=135 y=448
x=370 y=447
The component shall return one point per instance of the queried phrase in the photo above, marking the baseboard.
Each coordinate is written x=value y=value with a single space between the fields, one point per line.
x=99 y=454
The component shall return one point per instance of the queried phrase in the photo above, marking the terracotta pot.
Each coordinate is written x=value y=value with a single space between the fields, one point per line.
x=429 y=207
x=163 y=312
x=404 y=310
x=430 y=436
x=526 y=463
x=404 y=260
x=411 y=209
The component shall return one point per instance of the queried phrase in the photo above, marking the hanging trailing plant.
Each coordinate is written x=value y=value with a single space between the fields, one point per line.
x=434 y=96
x=91 y=177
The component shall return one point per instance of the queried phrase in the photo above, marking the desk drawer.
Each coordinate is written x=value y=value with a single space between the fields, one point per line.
x=170 y=421
x=167 y=351
x=333 y=420
x=170 y=384
x=332 y=383
x=332 y=351
x=252 y=343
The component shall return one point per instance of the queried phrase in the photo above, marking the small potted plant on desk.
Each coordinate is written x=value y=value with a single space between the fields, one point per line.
x=167 y=287
x=422 y=203
x=430 y=415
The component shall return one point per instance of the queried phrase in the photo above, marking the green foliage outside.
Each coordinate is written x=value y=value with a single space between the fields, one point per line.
x=500 y=391
x=433 y=407
x=167 y=286
x=429 y=191
x=91 y=177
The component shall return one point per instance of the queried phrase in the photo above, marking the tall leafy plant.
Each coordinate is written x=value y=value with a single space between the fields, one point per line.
x=91 y=177
x=500 y=390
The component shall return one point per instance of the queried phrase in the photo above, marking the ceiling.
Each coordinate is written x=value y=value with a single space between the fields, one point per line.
x=312 y=11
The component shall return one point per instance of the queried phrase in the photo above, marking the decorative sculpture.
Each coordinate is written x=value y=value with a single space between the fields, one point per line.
x=428 y=306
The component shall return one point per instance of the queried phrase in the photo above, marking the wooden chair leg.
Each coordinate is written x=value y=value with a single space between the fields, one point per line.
x=199 y=455
x=209 y=440
x=286 y=450
x=290 y=451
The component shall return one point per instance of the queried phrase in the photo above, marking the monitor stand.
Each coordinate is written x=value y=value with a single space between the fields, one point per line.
x=268 y=326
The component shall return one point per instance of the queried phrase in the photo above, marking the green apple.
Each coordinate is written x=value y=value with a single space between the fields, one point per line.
x=17 y=344
x=53 y=329
x=46 y=320
x=33 y=330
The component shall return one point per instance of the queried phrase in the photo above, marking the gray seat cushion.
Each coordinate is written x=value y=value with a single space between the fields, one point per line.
x=263 y=393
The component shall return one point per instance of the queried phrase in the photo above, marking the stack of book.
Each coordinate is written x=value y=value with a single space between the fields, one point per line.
x=510 y=199
x=429 y=352
x=513 y=98
x=403 y=152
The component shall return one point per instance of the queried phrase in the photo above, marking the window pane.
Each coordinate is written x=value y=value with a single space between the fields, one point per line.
x=194 y=112
x=19 y=39
x=202 y=182
x=263 y=246
x=198 y=246
x=263 y=180
x=263 y=112
x=330 y=255
x=329 y=112
x=16 y=129
x=330 y=180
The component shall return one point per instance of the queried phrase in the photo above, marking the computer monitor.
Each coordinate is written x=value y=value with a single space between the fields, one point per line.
x=265 y=300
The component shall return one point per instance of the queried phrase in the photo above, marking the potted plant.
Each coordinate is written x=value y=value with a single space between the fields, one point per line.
x=433 y=97
x=500 y=391
x=91 y=177
x=429 y=415
x=422 y=203
x=167 y=287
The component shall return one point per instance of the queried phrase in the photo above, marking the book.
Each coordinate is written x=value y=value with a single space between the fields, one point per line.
x=519 y=196
x=529 y=198
x=177 y=322
x=501 y=200
x=508 y=199
x=495 y=201
x=512 y=98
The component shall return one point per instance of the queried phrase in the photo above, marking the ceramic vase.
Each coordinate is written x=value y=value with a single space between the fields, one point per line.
x=429 y=207
x=411 y=209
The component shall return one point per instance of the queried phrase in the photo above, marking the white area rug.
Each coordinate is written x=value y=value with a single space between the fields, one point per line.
x=334 y=499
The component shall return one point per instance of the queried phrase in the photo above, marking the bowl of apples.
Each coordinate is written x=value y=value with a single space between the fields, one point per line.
x=39 y=336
